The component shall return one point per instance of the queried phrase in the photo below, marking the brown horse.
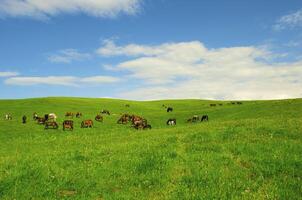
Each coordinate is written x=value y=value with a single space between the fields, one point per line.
x=99 y=118
x=69 y=114
x=136 y=118
x=51 y=124
x=40 y=120
x=68 y=124
x=78 y=115
x=142 y=124
x=87 y=123
x=124 y=119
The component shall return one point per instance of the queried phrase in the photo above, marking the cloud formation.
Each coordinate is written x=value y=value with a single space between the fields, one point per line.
x=290 y=21
x=190 y=70
x=68 y=55
x=44 y=9
x=60 y=80
x=8 y=74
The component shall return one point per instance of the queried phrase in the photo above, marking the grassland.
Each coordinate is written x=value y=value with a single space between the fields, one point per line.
x=248 y=151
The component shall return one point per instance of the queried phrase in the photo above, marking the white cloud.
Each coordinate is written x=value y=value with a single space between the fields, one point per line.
x=291 y=20
x=8 y=74
x=68 y=55
x=60 y=80
x=190 y=70
x=100 y=79
x=44 y=9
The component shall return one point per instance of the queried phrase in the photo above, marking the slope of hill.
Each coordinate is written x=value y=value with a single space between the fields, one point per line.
x=248 y=151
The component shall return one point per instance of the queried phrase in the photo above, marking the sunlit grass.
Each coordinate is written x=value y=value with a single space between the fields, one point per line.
x=248 y=151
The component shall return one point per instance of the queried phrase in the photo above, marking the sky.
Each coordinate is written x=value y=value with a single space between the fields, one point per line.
x=151 y=49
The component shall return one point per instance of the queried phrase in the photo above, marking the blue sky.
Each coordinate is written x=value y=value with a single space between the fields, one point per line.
x=151 y=49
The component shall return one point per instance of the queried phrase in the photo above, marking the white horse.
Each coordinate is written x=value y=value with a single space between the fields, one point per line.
x=8 y=117
x=52 y=117
x=171 y=122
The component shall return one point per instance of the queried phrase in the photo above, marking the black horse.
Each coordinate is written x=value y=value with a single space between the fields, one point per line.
x=24 y=119
x=204 y=118
x=169 y=109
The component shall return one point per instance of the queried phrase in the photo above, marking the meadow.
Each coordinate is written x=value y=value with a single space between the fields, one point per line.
x=248 y=151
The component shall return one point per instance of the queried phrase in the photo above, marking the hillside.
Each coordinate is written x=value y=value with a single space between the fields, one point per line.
x=247 y=151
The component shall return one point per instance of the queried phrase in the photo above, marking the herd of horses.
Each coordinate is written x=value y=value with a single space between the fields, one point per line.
x=137 y=122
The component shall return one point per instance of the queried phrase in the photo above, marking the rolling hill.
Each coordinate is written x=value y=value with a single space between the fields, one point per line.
x=247 y=151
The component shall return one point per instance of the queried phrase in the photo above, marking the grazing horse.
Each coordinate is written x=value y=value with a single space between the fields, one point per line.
x=169 y=109
x=135 y=118
x=105 y=112
x=68 y=124
x=239 y=103
x=171 y=122
x=35 y=116
x=87 y=123
x=204 y=118
x=78 y=115
x=212 y=104
x=194 y=119
x=142 y=124
x=24 y=119
x=52 y=117
x=69 y=114
x=52 y=124
x=40 y=120
x=124 y=119
x=8 y=117
x=99 y=118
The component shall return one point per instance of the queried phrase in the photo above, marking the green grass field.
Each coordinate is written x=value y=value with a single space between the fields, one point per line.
x=248 y=151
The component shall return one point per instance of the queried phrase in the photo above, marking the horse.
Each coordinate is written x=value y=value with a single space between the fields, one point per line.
x=69 y=114
x=212 y=104
x=87 y=123
x=204 y=118
x=194 y=119
x=124 y=119
x=78 y=115
x=52 y=124
x=142 y=124
x=135 y=118
x=35 y=116
x=40 y=120
x=105 y=112
x=8 y=117
x=24 y=119
x=68 y=124
x=171 y=122
x=52 y=117
x=169 y=109
x=99 y=118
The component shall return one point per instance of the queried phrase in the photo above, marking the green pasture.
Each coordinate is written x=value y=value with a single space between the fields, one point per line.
x=248 y=151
